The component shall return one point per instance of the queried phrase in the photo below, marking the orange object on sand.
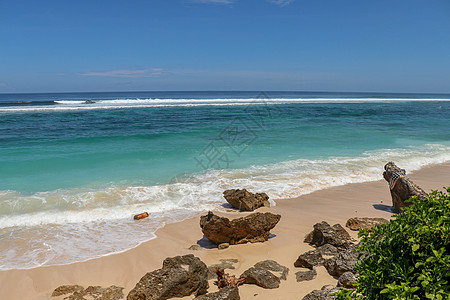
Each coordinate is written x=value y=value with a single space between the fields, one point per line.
x=141 y=216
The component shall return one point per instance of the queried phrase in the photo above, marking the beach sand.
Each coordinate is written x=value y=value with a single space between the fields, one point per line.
x=334 y=205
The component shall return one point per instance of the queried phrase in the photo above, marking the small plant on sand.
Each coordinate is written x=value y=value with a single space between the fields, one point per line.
x=408 y=258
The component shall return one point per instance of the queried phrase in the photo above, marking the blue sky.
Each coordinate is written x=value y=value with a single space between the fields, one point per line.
x=311 y=45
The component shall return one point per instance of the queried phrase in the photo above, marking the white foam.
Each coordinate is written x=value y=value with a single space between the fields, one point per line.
x=81 y=105
x=79 y=217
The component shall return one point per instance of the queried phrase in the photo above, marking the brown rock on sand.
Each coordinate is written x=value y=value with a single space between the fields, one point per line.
x=252 y=228
x=364 y=223
x=245 y=200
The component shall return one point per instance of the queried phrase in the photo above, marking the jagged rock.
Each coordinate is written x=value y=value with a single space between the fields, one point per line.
x=252 y=228
x=334 y=235
x=347 y=280
x=180 y=276
x=364 y=223
x=223 y=246
x=344 y=261
x=309 y=259
x=66 y=289
x=328 y=249
x=92 y=292
x=227 y=293
x=261 y=277
x=273 y=266
x=245 y=200
x=306 y=275
x=323 y=294
x=401 y=187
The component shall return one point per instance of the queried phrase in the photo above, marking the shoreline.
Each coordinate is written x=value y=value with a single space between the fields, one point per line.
x=334 y=205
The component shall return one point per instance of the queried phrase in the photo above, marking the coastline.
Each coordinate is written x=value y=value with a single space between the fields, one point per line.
x=334 y=205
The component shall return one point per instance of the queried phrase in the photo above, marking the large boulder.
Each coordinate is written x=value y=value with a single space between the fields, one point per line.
x=334 y=235
x=309 y=259
x=227 y=293
x=252 y=228
x=344 y=261
x=364 y=223
x=180 y=276
x=401 y=187
x=245 y=200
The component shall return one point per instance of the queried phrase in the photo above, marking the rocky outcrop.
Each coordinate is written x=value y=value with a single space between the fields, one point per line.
x=309 y=259
x=305 y=275
x=245 y=200
x=92 y=292
x=252 y=228
x=334 y=235
x=323 y=294
x=266 y=274
x=227 y=293
x=261 y=277
x=347 y=280
x=180 y=276
x=344 y=261
x=274 y=267
x=328 y=250
x=401 y=187
x=364 y=223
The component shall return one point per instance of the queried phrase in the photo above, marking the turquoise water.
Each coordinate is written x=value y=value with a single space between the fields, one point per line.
x=71 y=169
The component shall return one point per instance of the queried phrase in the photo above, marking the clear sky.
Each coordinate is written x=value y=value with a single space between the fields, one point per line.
x=144 y=45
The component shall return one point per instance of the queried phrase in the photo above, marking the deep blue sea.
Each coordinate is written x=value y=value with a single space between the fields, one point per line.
x=76 y=167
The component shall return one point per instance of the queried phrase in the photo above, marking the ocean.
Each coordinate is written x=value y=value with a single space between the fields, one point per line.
x=76 y=167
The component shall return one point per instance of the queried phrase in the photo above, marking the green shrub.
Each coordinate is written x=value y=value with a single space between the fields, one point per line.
x=408 y=258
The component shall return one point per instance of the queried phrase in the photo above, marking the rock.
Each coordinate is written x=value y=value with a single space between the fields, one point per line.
x=92 y=292
x=323 y=294
x=401 y=187
x=328 y=249
x=306 y=275
x=334 y=235
x=309 y=259
x=252 y=228
x=227 y=293
x=246 y=201
x=180 y=276
x=273 y=266
x=344 y=261
x=223 y=246
x=195 y=247
x=364 y=223
x=347 y=280
x=261 y=277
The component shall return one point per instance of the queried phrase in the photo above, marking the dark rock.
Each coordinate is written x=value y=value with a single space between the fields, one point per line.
x=273 y=266
x=323 y=294
x=309 y=259
x=347 y=280
x=246 y=201
x=328 y=249
x=261 y=277
x=323 y=234
x=252 y=228
x=180 y=276
x=66 y=289
x=344 y=261
x=401 y=187
x=227 y=293
x=364 y=223
x=306 y=275
x=92 y=292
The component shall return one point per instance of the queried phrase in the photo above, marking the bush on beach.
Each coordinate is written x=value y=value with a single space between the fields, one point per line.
x=408 y=258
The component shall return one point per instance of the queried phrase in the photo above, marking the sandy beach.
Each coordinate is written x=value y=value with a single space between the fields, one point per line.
x=334 y=205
